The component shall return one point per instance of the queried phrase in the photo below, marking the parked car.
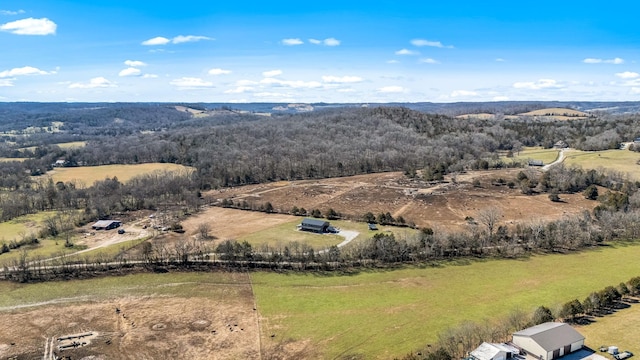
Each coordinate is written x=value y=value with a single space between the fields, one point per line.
x=121 y=231
x=623 y=355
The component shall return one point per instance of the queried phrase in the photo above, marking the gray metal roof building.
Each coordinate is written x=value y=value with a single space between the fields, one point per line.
x=314 y=225
x=549 y=341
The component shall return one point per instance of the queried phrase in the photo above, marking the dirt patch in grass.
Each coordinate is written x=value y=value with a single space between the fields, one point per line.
x=445 y=205
x=139 y=327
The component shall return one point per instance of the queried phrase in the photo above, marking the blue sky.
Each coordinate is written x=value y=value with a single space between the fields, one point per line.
x=332 y=51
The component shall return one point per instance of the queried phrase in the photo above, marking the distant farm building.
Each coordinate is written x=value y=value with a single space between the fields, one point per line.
x=549 y=341
x=488 y=351
x=560 y=145
x=106 y=225
x=60 y=163
x=372 y=226
x=314 y=225
x=536 y=163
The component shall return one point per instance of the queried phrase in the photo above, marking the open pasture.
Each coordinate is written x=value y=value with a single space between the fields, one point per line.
x=387 y=313
x=89 y=174
x=557 y=113
x=623 y=161
x=535 y=153
x=619 y=329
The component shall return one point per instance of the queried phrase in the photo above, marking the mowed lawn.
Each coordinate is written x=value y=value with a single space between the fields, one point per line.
x=281 y=235
x=624 y=161
x=535 y=153
x=90 y=174
x=619 y=329
x=388 y=313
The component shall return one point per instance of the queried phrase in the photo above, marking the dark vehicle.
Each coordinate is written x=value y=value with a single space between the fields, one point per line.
x=120 y=231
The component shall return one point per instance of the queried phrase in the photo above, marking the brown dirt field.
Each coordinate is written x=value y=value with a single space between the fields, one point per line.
x=442 y=205
x=232 y=224
x=146 y=328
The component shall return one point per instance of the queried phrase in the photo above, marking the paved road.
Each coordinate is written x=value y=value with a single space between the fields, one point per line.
x=348 y=237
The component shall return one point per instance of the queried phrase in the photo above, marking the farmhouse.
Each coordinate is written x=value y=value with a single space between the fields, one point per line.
x=106 y=225
x=549 y=341
x=560 y=145
x=490 y=351
x=314 y=225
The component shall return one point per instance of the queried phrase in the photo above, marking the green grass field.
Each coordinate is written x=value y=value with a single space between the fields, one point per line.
x=619 y=329
x=208 y=285
x=26 y=224
x=387 y=313
x=108 y=252
x=90 y=174
x=283 y=234
x=535 y=153
x=624 y=161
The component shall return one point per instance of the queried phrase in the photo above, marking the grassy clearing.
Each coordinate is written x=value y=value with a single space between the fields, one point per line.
x=27 y=224
x=90 y=174
x=3 y=159
x=381 y=314
x=365 y=233
x=624 y=161
x=535 y=153
x=282 y=234
x=66 y=145
x=619 y=329
x=215 y=285
x=109 y=252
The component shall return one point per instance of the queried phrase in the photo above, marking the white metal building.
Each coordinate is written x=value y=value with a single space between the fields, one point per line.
x=549 y=341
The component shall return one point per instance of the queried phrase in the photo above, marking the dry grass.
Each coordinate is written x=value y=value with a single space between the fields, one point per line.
x=89 y=174
x=560 y=113
x=619 y=329
x=535 y=153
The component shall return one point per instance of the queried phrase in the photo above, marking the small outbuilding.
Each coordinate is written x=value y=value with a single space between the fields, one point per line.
x=549 y=340
x=492 y=351
x=314 y=225
x=536 y=163
x=372 y=226
x=106 y=225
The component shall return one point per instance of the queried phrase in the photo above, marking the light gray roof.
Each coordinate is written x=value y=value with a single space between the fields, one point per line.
x=104 y=223
x=488 y=351
x=551 y=335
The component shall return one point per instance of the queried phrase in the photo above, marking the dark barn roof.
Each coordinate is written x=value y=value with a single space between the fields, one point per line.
x=315 y=223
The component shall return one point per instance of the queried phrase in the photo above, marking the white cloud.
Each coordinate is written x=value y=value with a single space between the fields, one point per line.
x=393 y=62
x=635 y=90
x=25 y=70
x=190 y=82
x=30 y=26
x=315 y=41
x=429 y=61
x=407 y=52
x=98 y=82
x=349 y=90
x=10 y=12
x=134 y=63
x=149 y=76
x=272 y=73
x=331 y=42
x=292 y=42
x=423 y=42
x=341 y=79
x=296 y=84
x=218 y=71
x=130 y=72
x=500 y=60
x=463 y=93
x=537 y=85
x=6 y=82
x=189 y=38
x=615 y=61
x=627 y=75
x=158 y=40
x=240 y=90
x=391 y=89
x=246 y=82
x=271 y=95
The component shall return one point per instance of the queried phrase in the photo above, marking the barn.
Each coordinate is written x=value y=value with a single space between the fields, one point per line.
x=106 y=225
x=549 y=340
x=314 y=225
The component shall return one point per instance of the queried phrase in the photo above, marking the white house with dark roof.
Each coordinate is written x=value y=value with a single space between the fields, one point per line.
x=549 y=341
